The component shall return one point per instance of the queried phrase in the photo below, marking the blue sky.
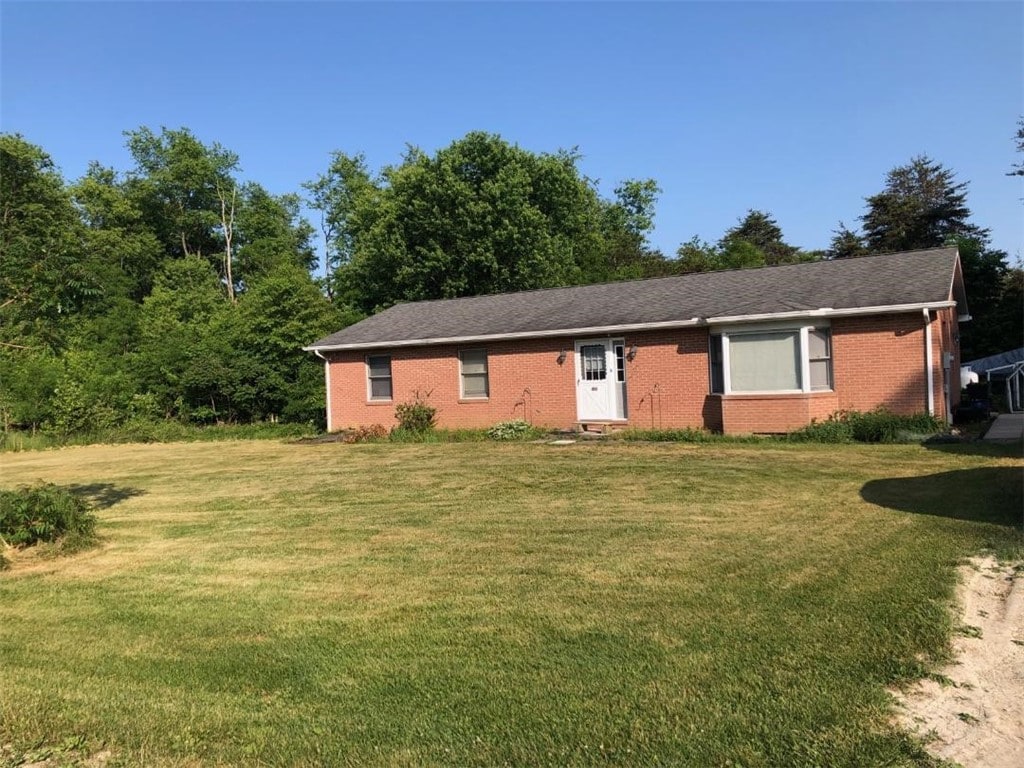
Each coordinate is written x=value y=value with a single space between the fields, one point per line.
x=795 y=108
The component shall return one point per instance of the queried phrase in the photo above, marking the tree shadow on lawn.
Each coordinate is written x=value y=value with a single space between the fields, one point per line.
x=103 y=495
x=1001 y=449
x=983 y=495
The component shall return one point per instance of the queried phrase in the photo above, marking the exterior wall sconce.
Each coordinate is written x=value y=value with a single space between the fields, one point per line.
x=561 y=357
x=631 y=354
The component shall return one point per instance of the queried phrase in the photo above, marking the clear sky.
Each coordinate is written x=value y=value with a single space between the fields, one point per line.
x=798 y=109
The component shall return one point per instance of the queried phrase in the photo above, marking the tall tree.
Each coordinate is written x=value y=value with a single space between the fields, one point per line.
x=124 y=253
x=43 y=278
x=846 y=244
x=760 y=230
x=479 y=216
x=922 y=206
x=335 y=195
x=627 y=222
x=176 y=179
x=755 y=241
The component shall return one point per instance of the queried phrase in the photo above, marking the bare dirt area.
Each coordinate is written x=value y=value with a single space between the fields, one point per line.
x=972 y=711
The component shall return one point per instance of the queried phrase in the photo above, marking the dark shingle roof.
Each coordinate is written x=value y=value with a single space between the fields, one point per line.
x=915 y=277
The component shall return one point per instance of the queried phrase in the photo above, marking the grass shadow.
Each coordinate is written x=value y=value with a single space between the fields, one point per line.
x=983 y=495
x=1012 y=449
x=103 y=495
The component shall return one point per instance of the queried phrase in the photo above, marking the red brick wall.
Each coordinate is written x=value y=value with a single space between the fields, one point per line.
x=744 y=414
x=876 y=361
x=880 y=361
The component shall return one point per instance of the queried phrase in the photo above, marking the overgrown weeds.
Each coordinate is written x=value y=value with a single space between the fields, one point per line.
x=516 y=429
x=147 y=431
x=45 y=513
x=877 y=426
x=416 y=416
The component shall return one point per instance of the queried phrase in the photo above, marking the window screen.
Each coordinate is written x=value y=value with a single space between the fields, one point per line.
x=764 y=362
x=474 y=372
x=819 y=354
x=378 y=372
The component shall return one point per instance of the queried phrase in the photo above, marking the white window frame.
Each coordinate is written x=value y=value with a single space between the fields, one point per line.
x=486 y=375
x=370 y=378
x=803 y=332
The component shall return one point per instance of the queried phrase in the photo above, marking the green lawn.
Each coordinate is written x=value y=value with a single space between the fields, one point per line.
x=260 y=603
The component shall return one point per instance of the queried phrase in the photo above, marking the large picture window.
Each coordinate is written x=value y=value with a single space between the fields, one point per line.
x=764 y=362
x=378 y=375
x=770 y=360
x=474 y=373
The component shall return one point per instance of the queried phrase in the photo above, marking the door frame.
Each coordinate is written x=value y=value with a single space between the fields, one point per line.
x=615 y=391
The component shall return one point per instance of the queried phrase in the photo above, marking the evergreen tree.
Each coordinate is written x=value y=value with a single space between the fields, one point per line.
x=922 y=206
x=846 y=244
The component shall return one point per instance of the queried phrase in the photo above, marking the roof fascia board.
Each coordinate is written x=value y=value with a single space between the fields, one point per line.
x=609 y=329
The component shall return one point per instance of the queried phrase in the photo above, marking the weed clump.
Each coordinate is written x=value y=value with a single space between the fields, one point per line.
x=370 y=434
x=877 y=426
x=45 y=513
x=516 y=429
x=416 y=416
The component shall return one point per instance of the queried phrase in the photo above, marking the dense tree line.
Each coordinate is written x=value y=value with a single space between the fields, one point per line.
x=170 y=291
x=175 y=290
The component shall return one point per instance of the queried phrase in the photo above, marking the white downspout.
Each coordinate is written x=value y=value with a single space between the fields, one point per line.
x=929 y=371
x=327 y=382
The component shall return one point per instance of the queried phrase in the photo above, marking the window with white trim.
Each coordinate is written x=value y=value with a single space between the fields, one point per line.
x=773 y=359
x=473 y=363
x=715 y=363
x=378 y=377
x=819 y=355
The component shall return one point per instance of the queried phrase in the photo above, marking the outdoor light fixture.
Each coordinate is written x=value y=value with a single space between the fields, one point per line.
x=631 y=354
x=561 y=357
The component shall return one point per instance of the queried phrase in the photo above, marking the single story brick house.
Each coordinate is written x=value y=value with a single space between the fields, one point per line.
x=740 y=351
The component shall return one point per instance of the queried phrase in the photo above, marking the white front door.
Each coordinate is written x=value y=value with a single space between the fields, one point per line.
x=600 y=380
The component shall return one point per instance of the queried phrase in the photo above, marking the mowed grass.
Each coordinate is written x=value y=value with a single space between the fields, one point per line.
x=256 y=603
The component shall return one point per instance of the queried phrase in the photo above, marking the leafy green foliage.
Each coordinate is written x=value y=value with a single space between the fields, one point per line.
x=43 y=277
x=480 y=216
x=416 y=416
x=756 y=241
x=43 y=513
x=878 y=426
x=516 y=429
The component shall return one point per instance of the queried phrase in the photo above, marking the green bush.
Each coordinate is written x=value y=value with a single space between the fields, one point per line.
x=416 y=416
x=43 y=513
x=834 y=429
x=513 y=430
x=877 y=426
